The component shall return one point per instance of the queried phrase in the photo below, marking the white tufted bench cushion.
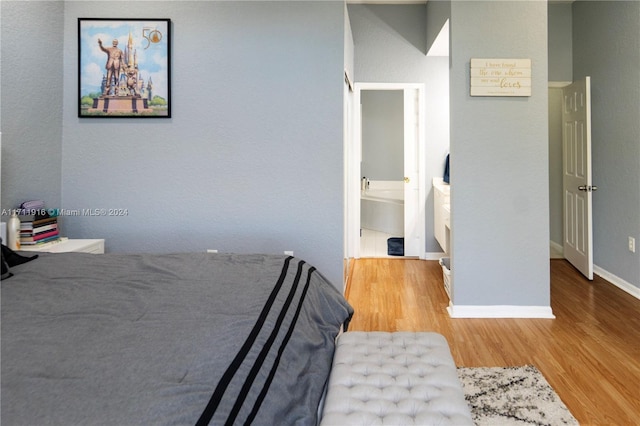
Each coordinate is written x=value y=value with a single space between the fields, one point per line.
x=397 y=378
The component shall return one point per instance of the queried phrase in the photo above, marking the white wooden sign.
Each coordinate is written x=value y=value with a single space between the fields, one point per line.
x=500 y=77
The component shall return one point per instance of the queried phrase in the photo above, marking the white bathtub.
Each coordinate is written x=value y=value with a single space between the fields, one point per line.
x=382 y=207
x=395 y=196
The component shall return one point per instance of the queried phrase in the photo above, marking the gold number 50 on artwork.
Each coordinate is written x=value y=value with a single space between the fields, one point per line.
x=152 y=36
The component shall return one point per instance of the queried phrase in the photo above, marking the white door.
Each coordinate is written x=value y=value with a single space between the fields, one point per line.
x=577 y=187
x=415 y=191
x=412 y=212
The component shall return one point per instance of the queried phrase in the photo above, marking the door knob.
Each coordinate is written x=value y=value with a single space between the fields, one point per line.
x=588 y=188
x=406 y=180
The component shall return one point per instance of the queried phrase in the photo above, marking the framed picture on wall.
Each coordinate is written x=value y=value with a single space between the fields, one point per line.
x=124 y=68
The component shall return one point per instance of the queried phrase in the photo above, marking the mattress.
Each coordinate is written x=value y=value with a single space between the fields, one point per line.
x=170 y=339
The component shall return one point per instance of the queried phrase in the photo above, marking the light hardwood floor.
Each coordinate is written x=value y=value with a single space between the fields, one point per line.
x=590 y=353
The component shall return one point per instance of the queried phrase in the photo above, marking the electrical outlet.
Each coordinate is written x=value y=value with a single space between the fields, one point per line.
x=632 y=244
x=288 y=252
x=211 y=251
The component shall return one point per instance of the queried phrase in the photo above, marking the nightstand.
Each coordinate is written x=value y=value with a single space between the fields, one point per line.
x=69 y=245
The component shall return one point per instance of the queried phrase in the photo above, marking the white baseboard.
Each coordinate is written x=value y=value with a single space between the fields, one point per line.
x=617 y=281
x=499 y=311
x=556 y=250
x=434 y=255
x=613 y=279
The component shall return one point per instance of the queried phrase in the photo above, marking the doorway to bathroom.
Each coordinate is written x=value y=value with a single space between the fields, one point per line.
x=386 y=187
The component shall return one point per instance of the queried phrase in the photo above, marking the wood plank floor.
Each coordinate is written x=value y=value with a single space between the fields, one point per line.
x=590 y=353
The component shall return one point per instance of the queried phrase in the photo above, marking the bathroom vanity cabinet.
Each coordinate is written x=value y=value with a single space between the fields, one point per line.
x=441 y=213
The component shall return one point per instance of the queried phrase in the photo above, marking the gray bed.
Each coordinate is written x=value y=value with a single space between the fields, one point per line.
x=175 y=339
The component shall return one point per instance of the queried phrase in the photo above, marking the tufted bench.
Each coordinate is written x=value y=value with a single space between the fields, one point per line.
x=394 y=378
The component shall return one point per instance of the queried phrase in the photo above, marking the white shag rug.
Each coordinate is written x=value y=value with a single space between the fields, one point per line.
x=512 y=396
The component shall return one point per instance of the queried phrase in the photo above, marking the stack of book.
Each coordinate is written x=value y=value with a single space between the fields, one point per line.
x=38 y=229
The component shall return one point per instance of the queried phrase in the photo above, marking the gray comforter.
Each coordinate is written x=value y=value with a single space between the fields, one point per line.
x=177 y=339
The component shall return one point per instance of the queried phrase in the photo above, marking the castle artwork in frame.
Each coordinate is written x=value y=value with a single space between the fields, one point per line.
x=124 y=68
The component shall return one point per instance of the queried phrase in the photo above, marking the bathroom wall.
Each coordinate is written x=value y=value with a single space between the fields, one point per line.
x=382 y=134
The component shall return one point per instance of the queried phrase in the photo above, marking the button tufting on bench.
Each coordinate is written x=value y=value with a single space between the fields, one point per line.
x=401 y=378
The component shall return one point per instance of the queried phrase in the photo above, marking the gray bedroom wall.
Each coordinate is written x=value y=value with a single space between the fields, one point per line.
x=252 y=160
x=499 y=160
x=348 y=47
x=30 y=104
x=383 y=134
x=560 y=42
x=606 y=43
x=560 y=45
x=556 y=197
x=390 y=47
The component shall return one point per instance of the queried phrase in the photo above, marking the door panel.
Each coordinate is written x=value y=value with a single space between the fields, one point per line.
x=412 y=239
x=577 y=184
